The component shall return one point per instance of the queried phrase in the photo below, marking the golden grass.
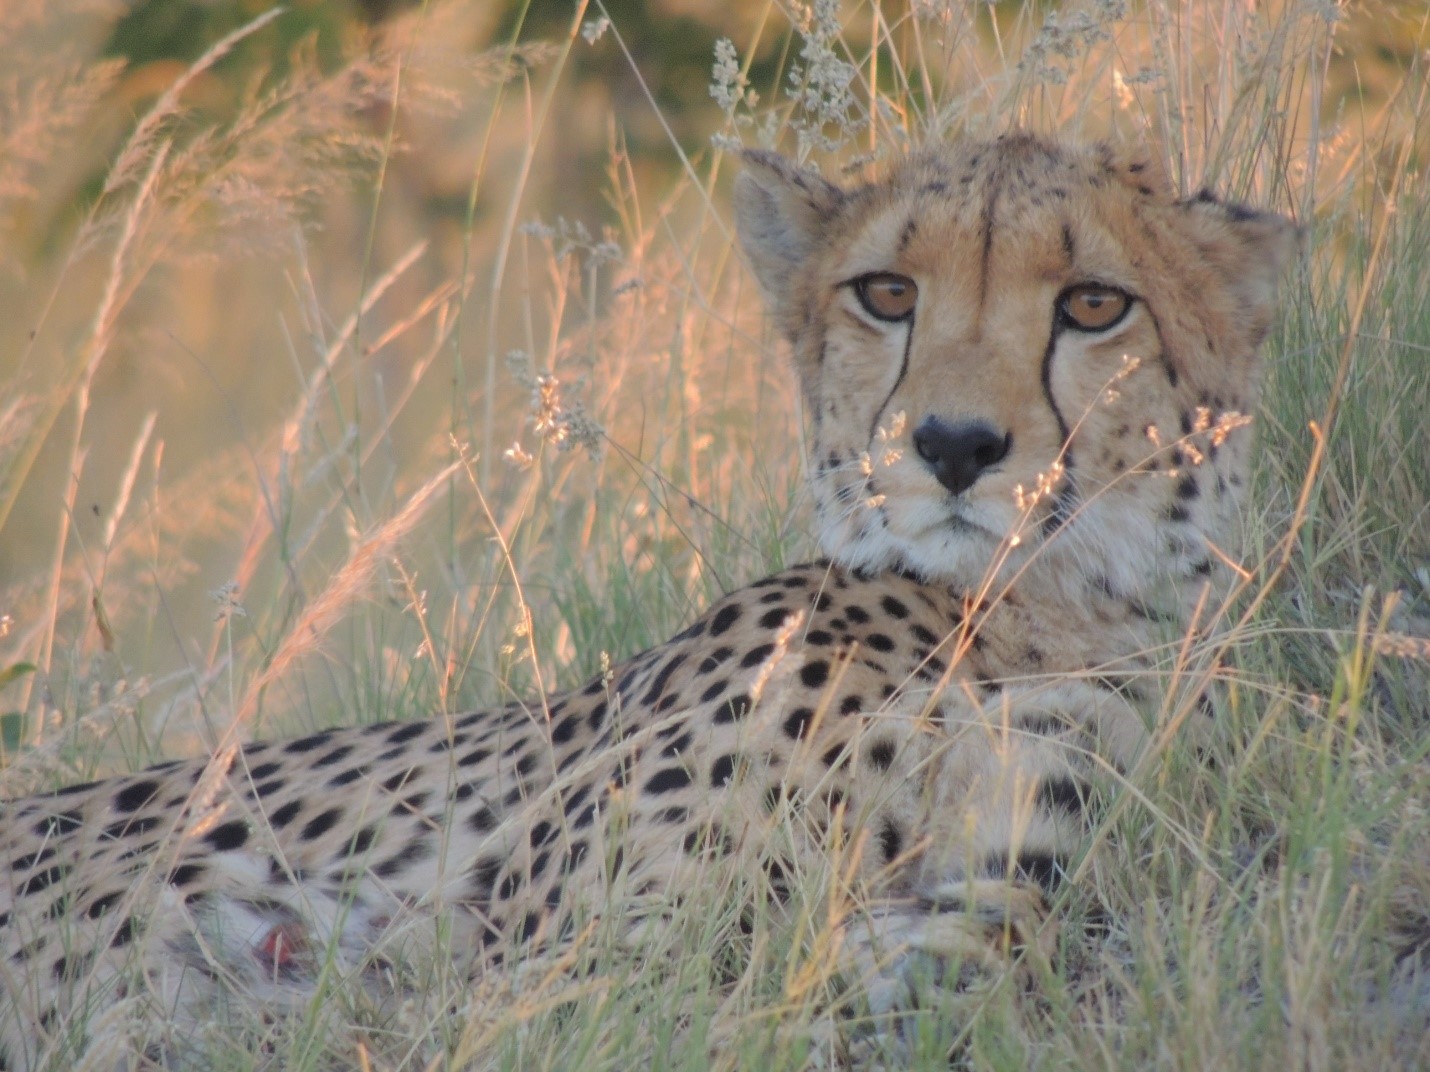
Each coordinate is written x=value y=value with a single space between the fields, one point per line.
x=251 y=324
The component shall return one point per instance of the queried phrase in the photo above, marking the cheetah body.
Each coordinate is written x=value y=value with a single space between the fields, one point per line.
x=940 y=694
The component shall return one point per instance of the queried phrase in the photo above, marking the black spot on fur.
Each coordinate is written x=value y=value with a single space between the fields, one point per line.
x=135 y=796
x=320 y=824
x=691 y=631
x=657 y=688
x=347 y=777
x=713 y=692
x=894 y=608
x=727 y=616
x=814 y=674
x=333 y=756
x=575 y=799
x=798 y=722
x=596 y=715
x=285 y=815
x=184 y=874
x=228 y=836
x=668 y=780
x=103 y=904
x=706 y=839
x=307 y=744
x=880 y=754
x=362 y=840
x=772 y=619
x=713 y=661
x=397 y=781
x=54 y=825
x=891 y=840
x=627 y=679
x=484 y=877
x=475 y=756
x=71 y=790
x=756 y=655
x=123 y=934
x=733 y=709
x=677 y=746
x=722 y=770
x=412 y=852
x=922 y=635
x=130 y=827
x=1041 y=868
x=41 y=880
x=564 y=730
x=482 y=820
x=1064 y=794
x=72 y=965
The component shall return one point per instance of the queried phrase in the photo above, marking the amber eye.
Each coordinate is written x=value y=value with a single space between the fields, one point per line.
x=886 y=295
x=1093 y=308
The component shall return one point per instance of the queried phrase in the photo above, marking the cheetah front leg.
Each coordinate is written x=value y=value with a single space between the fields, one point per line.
x=1009 y=790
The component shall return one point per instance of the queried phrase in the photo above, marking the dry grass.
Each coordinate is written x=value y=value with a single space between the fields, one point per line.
x=241 y=344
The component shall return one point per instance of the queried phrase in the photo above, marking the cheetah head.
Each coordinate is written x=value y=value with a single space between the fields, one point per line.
x=1018 y=351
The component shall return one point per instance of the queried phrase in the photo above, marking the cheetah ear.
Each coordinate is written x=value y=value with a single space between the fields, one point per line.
x=1253 y=250
x=781 y=213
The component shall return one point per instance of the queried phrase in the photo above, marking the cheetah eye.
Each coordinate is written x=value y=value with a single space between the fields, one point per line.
x=1091 y=307
x=886 y=295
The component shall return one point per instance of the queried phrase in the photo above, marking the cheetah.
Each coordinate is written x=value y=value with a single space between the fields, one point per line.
x=1026 y=366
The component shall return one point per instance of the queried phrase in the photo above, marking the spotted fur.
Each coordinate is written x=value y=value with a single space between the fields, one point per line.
x=943 y=691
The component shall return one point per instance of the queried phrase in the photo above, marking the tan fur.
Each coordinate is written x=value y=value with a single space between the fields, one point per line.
x=934 y=693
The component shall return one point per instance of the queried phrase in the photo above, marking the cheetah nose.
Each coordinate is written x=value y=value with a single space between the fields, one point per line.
x=959 y=453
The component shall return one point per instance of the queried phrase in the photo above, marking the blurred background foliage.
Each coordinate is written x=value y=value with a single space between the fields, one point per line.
x=649 y=79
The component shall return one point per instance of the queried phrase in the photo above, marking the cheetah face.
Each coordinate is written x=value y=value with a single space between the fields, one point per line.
x=1016 y=351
